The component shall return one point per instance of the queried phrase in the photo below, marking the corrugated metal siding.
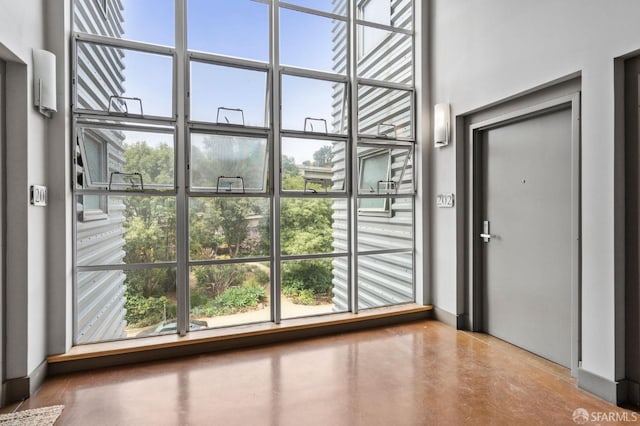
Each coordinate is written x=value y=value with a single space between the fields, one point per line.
x=382 y=279
x=100 y=295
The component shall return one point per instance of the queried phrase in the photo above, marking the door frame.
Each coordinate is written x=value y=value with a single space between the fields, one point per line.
x=3 y=334
x=474 y=198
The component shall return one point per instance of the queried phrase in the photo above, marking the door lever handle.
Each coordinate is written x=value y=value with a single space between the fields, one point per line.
x=486 y=235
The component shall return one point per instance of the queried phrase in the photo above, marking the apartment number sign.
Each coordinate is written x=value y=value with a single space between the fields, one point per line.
x=445 y=201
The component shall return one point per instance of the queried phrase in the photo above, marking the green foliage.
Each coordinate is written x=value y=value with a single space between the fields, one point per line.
x=143 y=311
x=233 y=300
x=214 y=280
x=314 y=276
x=323 y=156
x=306 y=226
x=154 y=163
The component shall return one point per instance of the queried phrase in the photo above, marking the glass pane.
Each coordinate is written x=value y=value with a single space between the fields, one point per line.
x=150 y=21
x=338 y=7
x=121 y=304
x=229 y=227
x=384 y=12
x=228 y=95
x=385 y=279
x=108 y=75
x=135 y=229
x=306 y=226
x=307 y=41
x=105 y=151
x=385 y=112
x=229 y=27
x=226 y=163
x=394 y=230
x=312 y=165
x=307 y=288
x=385 y=170
x=385 y=55
x=229 y=294
x=312 y=105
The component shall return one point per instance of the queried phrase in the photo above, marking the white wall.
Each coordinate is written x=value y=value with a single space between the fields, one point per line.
x=21 y=29
x=485 y=51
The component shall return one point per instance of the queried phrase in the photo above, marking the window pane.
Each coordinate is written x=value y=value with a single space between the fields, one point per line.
x=384 y=170
x=312 y=165
x=338 y=7
x=228 y=95
x=399 y=15
x=108 y=75
x=229 y=27
x=307 y=288
x=107 y=151
x=391 y=231
x=137 y=229
x=220 y=228
x=121 y=304
x=384 y=55
x=137 y=20
x=229 y=294
x=312 y=105
x=307 y=41
x=306 y=226
x=385 y=279
x=385 y=112
x=225 y=163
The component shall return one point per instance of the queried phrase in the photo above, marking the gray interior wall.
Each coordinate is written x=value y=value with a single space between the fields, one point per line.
x=484 y=52
x=21 y=29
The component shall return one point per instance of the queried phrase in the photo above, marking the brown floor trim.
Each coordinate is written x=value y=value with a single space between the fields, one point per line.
x=99 y=355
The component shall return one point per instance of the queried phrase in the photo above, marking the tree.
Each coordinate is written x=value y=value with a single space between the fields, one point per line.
x=323 y=156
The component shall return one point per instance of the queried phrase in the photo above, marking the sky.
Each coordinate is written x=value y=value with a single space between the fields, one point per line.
x=237 y=28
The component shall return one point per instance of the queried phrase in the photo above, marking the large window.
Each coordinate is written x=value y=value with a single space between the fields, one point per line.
x=240 y=161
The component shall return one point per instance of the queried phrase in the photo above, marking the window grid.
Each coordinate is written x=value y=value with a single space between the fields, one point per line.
x=349 y=111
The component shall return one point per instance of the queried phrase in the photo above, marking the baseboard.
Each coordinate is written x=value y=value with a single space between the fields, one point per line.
x=446 y=317
x=23 y=387
x=609 y=390
x=629 y=393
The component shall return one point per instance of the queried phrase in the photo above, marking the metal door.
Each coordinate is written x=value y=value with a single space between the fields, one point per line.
x=526 y=224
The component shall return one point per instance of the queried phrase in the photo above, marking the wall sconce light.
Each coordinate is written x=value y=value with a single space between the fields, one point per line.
x=44 y=81
x=441 y=125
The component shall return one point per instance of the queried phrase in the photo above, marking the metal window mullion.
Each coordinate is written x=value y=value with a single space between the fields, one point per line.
x=276 y=273
x=227 y=129
x=126 y=267
x=309 y=73
x=182 y=223
x=230 y=61
x=310 y=11
x=86 y=114
x=299 y=134
x=235 y=260
x=382 y=84
x=389 y=28
x=332 y=255
x=352 y=187
x=126 y=44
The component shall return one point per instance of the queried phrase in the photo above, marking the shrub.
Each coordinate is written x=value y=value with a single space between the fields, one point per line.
x=233 y=300
x=312 y=275
x=144 y=311
x=214 y=280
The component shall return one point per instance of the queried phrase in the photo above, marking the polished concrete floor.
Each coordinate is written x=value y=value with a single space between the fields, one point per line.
x=414 y=374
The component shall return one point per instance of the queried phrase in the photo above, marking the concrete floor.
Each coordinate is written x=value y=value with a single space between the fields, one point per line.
x=420 y=373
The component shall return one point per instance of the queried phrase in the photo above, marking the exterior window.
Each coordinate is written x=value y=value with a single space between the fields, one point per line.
x=374 y=179
x=376 y=11
x=229 y=171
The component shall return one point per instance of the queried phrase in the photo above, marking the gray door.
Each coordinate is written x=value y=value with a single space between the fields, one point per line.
x=526 y=263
